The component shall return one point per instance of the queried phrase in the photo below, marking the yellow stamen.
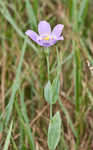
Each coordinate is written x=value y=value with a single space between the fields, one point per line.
x=46 y=38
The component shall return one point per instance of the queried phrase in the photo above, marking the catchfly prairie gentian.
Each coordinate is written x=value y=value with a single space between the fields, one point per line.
x=46 y=37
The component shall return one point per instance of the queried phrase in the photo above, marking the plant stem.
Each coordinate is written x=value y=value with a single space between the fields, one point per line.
x=51 y=111
x=47 y=58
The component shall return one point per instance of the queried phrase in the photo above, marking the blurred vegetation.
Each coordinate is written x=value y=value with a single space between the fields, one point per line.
x=24 y=114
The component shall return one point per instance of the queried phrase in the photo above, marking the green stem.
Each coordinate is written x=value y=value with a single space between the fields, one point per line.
x=50 y=111
x=47 y=58
x=77 y=83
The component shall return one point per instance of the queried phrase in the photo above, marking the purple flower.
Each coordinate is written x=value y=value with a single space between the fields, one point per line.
x=46 y=38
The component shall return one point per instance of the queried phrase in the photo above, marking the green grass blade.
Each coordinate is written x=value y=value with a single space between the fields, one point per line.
x=83 y=11
x=14 y=145
x=68 y=118
x=29 y=134
x=90 y=97
x=31 y=14
x=66 y=60
x=4 y=11
x=71 y=9
x=9 y=18
x=83 y=44
x=77 y=85
x=16 y=84
x=23 y=107
x=35 y=6
x=77 y=74
x=73 y=13
x=6 y=145
x=26 y=127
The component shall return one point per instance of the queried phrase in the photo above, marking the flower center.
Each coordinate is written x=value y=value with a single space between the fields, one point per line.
x=46 y=38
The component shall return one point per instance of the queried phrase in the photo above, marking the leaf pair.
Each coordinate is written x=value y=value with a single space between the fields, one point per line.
x=54 y=131
x=51 y=92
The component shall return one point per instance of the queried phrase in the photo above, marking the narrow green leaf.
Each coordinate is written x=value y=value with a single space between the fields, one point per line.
x=26 y=128
x=90 y=95
x=77 y=76
x=85 y=50
x=23 y=107
x=70 y=4
x=55 y=89
x=35 y=5
x=14 y=144
x=16 y=84
x=4 y=11
x=67 y=117
x=1 y=127
x=77 y=85
x=9 y=18
x=48 y=92
x=6 y=145
x=83 y=11
x=54 y=131
x=73 y=12
x=29 y=134
x=31 y=14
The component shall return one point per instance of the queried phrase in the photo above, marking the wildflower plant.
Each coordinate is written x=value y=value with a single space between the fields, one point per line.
x=47 y=38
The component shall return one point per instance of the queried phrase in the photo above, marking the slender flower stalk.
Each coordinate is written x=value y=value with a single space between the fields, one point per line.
x=47 y=58
x=48 y=69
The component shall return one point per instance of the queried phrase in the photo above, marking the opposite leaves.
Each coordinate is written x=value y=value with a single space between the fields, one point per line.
x=51 y=92
x=54 y=131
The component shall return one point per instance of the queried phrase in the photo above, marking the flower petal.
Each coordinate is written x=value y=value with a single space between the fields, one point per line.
x=33 y=35
x=60 y=38
x=58 y=30
x=44 y=28
x=48 y=44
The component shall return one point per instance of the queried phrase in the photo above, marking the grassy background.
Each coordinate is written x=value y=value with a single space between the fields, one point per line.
x=24 y=114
